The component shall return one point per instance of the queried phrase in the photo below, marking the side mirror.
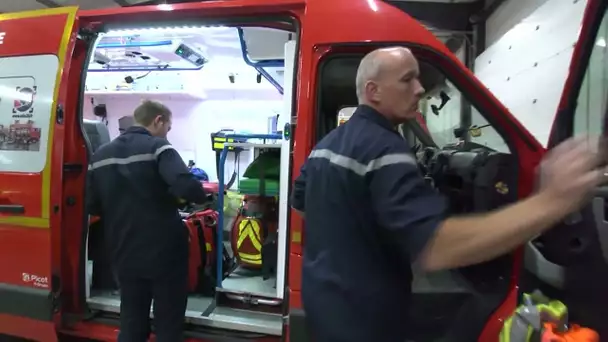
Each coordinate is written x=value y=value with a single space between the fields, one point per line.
x=445 y=98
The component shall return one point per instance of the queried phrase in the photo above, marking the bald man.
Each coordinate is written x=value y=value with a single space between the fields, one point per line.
x=369 y=214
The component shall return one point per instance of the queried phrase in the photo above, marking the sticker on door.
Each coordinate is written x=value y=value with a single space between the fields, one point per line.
x=27 y=86
x=18 y=129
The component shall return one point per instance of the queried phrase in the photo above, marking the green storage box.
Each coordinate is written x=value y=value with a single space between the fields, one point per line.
x=251 y=186
x=267 y=164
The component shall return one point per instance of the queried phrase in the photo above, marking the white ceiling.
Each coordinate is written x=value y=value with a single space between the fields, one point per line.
x=24 y=5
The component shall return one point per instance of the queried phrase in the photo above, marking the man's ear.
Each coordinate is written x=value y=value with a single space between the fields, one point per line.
x=158 y=119
x=371 y=89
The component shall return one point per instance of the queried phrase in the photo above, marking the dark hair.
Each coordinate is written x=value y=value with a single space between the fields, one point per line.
x=146 y=112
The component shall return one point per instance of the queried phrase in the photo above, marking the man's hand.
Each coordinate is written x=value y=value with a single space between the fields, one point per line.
x=569 y=173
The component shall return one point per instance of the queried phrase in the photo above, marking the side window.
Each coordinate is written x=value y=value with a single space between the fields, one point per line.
x=345 y=113
x=588 y=118
x=442 y=111
x=27 y=84
x=483 y=133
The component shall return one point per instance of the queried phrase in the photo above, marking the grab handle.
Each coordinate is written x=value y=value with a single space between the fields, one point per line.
x=12 y=208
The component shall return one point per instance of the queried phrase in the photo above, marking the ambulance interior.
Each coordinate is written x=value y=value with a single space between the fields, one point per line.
x=239 y=81
x=217 y=81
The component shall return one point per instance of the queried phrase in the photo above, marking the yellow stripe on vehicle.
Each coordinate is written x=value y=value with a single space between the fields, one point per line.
x=40 y=13
x=43 y=221
x=296 y=237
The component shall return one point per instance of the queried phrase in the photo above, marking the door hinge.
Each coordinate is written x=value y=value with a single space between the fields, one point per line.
x=87 y=34
x=56 y=292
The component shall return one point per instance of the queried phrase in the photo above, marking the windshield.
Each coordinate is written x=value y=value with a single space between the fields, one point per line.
x=443 y=114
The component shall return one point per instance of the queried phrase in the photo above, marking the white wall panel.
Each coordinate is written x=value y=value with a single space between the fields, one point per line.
x=527 y=67
x=509 y=14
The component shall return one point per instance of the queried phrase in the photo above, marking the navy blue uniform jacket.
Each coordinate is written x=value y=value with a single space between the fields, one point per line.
x=368 y=214
x=135 y=183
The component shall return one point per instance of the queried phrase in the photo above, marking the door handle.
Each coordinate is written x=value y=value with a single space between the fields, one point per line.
x=536 y=263
x=12 y=209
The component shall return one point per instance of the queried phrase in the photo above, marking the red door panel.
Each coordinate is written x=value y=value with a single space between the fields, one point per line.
x=570 y=262
x=33 y=53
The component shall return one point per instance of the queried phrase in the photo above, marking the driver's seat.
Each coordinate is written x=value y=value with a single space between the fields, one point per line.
x=97 y=134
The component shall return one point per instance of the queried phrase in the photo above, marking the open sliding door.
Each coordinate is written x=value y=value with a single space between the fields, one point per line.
x=34 y=47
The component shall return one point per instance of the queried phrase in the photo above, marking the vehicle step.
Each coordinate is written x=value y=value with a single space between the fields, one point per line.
x=216 y=317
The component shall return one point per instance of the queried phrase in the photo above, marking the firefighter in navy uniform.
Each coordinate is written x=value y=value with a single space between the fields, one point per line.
x=369 y=215
x=136 y=184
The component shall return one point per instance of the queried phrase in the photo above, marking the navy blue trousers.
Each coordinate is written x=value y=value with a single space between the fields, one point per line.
x=169 y=290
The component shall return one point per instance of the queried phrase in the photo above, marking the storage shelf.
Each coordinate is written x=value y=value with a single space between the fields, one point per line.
x=246 y=145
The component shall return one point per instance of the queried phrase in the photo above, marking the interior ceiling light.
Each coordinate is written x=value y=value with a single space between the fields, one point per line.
x=157 y=30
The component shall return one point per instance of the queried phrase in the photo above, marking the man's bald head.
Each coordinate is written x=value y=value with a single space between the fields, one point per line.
x=387 y=79
x=375 y=63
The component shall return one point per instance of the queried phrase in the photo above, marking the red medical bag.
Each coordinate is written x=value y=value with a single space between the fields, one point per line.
x=202 y=227
x=202 y=268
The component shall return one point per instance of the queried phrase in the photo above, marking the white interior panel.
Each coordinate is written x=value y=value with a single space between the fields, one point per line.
x=284 y=118
x=265 y=43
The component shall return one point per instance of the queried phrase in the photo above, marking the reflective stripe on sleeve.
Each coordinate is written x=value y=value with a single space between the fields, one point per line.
x=131 y=159
x=360 y=168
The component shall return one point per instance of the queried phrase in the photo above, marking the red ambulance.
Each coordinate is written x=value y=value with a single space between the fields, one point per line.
x=44 y=225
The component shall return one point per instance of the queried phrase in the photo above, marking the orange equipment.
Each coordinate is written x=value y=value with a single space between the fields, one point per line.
x=253 y=235
x=575 y=333
x=544 y=320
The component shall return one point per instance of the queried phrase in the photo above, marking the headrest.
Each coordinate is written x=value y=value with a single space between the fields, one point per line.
x=96 y=132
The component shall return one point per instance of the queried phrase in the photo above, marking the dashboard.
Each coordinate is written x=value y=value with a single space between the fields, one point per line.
x=473 y=178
